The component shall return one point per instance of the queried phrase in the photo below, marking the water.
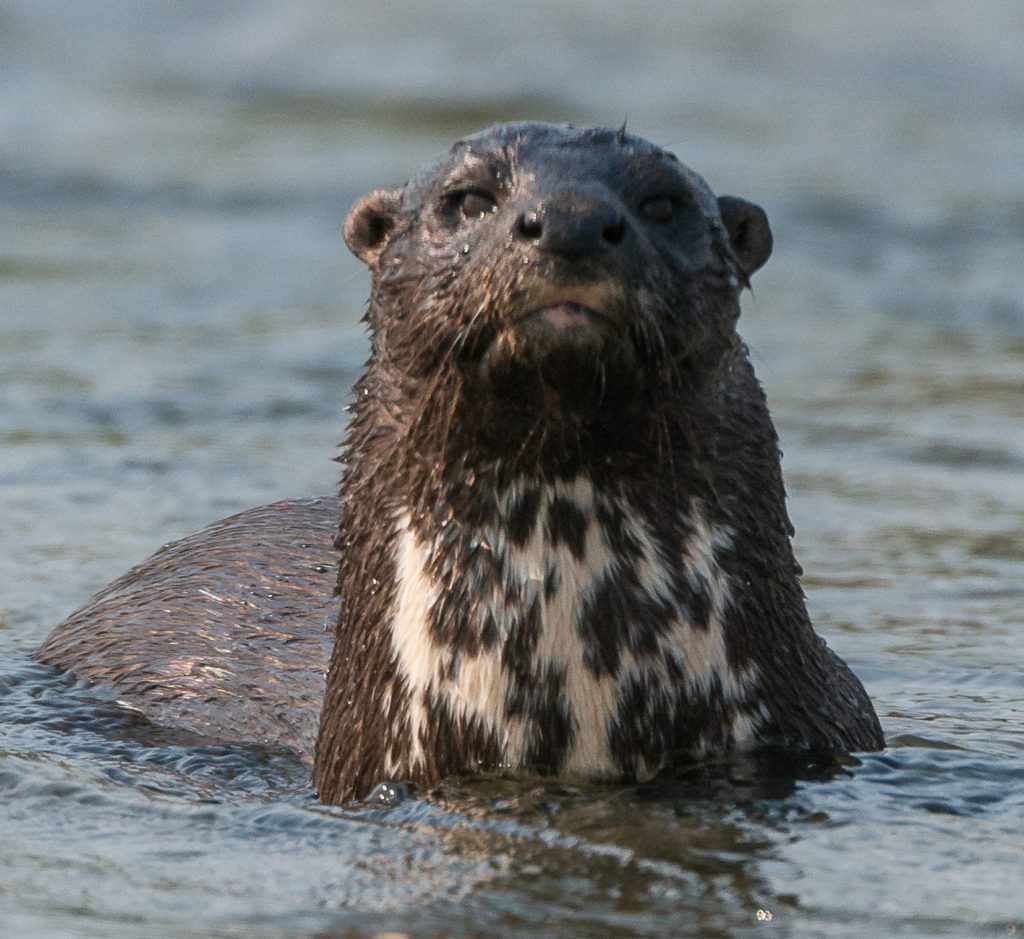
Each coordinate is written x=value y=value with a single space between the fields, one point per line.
x=179 y=328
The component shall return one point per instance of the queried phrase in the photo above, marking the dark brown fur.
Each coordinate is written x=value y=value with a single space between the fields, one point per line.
x=452 y=395
x=476 y=383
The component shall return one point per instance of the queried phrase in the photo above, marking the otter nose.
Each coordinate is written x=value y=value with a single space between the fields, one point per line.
x=575 y=226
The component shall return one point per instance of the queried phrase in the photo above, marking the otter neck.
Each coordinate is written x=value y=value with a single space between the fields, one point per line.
x=566 y=621
x=436 y=433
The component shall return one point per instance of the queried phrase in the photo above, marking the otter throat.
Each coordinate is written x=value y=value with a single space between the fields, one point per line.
x=537 y=584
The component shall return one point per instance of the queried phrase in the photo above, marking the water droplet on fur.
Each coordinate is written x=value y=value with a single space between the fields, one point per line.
x=388 y=793
x=465 y=249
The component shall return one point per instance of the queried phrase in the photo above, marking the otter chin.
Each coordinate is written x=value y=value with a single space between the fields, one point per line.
x=561 y=544
x=569 y=354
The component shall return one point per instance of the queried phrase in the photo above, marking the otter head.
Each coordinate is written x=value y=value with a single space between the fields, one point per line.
x=554 y=275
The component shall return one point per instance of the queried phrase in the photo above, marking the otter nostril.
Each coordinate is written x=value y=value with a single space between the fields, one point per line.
x=529 y=225
x=615 y=231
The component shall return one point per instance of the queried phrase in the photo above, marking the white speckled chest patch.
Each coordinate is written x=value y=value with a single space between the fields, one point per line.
x=571 y=634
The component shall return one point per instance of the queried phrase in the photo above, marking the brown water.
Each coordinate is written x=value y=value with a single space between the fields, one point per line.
x=178 y=330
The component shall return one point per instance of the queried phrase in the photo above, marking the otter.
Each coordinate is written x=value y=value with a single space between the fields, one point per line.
x=562 y=539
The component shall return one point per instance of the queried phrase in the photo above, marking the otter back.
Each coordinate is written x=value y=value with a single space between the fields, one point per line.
x=225 y=633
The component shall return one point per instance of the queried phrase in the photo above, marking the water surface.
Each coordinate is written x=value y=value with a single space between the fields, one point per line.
x=179 y=325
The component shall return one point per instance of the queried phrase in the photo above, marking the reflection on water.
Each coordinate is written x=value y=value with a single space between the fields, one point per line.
x=180 y=326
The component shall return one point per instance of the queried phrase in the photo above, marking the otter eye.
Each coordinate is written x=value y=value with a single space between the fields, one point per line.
x=660 y=209
x=470 y=203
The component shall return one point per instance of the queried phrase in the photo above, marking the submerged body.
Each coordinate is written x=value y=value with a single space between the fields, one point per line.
x=563 y=543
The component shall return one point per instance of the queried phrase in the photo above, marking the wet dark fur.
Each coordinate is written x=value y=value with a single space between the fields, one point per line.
x=438 y=427
x=475 y=416
x=225 y=633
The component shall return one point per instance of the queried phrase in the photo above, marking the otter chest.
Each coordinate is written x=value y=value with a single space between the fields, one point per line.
x=568 y=634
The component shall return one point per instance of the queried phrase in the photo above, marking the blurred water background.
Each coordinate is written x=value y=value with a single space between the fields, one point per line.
x=179 y=325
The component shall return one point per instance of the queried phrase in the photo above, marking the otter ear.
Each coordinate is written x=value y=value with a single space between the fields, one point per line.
x=749 y=234
x=370 y=223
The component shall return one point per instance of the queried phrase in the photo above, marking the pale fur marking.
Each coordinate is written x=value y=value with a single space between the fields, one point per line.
x=591 y=700
x=707 y=658
x=479 y=687
x=478 y=690
x=415 y=654
x=744 y=728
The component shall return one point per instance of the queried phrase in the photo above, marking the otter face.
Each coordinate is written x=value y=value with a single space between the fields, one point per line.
x=558 y=270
